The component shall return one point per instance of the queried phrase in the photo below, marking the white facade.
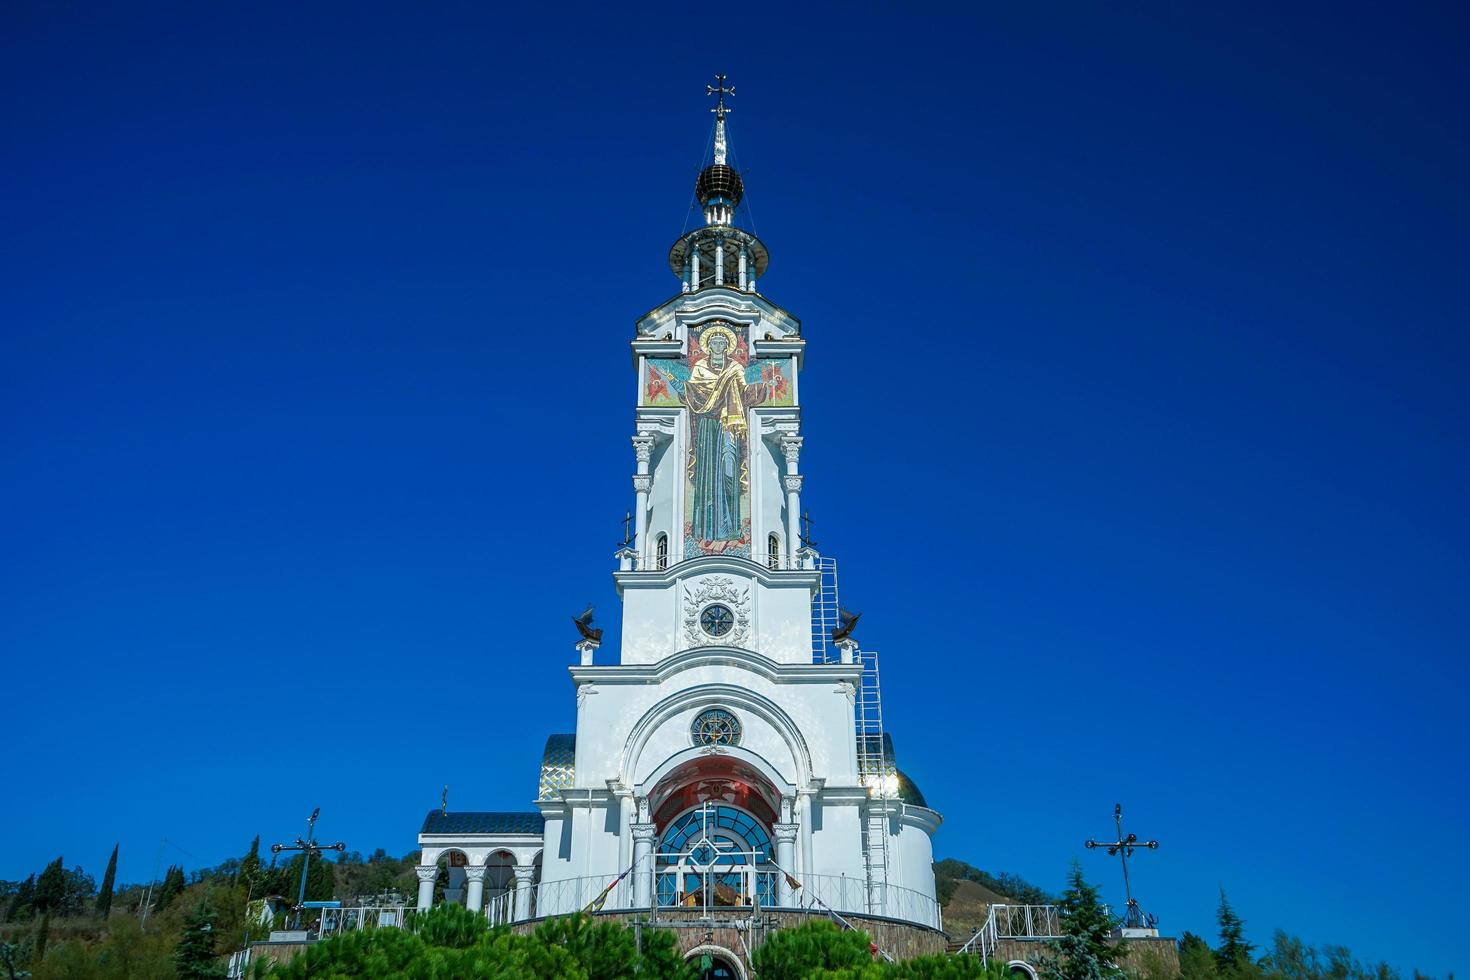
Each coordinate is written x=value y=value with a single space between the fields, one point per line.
x=720 y=762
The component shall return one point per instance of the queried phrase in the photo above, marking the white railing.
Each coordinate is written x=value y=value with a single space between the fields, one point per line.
x=742 y=887
x=1013 y=922
x=334 y=922
x=844 y=894
x=780 y=563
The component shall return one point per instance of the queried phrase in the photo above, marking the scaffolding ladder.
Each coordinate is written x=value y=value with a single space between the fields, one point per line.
x=877 y=772
x=824 y=612
x=876 y=769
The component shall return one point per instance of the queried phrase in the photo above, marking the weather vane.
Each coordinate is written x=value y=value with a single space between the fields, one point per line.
x=720 y=89
x=1124 y=847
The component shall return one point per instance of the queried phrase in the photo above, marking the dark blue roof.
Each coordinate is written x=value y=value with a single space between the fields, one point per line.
x=480 y=822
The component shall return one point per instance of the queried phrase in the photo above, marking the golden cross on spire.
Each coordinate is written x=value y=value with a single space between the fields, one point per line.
x=720 y=89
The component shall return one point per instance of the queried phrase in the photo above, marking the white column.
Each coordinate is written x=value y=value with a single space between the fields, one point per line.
x=642 y=484
x=791 y=448
x=786 y=858
x=694 y=267
x=687 y=287
x=427 y=874
x=476 y=875
x=643 y=837
x=524 y=873
x=807 y=866
x=719 y=262
x=743 y=261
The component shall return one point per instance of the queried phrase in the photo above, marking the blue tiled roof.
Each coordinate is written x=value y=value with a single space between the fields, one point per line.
x=480 y=822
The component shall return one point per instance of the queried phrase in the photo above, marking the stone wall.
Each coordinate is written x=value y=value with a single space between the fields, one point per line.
x=1141 y=955
x=901 y=940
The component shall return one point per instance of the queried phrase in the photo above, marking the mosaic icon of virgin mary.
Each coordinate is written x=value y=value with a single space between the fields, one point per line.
x=717 y=395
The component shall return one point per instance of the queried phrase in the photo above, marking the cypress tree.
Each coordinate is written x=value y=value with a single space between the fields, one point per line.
x=50 y=891
x=173 y=885
x=249 y=875
x=104 y=897
x=20 y=902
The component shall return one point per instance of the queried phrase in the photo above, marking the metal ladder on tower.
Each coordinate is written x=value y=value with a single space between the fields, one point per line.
x=875 y=763
x=877 y=772
x=824 y=613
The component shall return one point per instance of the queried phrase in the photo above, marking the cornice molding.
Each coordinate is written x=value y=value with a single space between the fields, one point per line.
x=717 y=656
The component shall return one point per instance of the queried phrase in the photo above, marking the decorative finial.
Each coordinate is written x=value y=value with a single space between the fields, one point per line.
x=720 y=90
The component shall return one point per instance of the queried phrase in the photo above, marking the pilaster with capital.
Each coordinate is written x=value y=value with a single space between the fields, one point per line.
x=525 y=887
x=785 y=834
x=644 y=835
x=475 y=874
x=642 y=484
x=427 y=873
x=791 y=449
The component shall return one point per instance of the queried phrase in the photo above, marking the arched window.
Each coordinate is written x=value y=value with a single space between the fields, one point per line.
x=773 y=551
x=661 y=551
x=715 y=855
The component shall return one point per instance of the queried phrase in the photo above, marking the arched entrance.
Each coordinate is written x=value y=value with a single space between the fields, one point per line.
x=714 y=817
x=716 y=963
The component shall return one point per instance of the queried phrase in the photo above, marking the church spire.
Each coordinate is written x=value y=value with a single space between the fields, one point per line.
x=719 y=110
x=719 y=186
x=719 y=254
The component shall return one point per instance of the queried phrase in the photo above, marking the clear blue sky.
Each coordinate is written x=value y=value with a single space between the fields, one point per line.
x=1135 y=412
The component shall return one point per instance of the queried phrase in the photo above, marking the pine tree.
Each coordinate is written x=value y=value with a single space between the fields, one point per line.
x=1234 y=953
x=194 y=957
x=104 y=897
x=1085 y=950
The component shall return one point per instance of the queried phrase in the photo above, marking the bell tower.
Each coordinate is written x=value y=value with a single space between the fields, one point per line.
x=716 y=556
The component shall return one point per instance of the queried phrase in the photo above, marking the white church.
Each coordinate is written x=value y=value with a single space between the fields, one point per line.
x=733 y=761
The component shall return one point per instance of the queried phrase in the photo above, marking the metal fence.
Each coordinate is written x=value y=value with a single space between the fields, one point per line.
x=737 y=887
x=1013 y=922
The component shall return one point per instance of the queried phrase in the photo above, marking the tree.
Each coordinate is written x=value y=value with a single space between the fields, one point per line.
x=250 y=876
x=1233 y=957
x=1196 y=959
x=20 y=902
x=172 y=887
x=194 y=956
x=77 y=889
x=1085 y=950
x=794 y=953
x=50 y=888
x=10 y=962
x=109 y=878
x=50 y=893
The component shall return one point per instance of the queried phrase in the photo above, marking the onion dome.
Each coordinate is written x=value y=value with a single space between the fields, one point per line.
x=719 y=183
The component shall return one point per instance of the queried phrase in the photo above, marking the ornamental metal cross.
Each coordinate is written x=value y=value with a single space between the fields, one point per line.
x=806 y=534
x=307 y=847
x=1123 y=847
x=627 y=529
x=719 y=88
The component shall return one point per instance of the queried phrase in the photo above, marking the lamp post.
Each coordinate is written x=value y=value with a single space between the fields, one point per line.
x=307 y=847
